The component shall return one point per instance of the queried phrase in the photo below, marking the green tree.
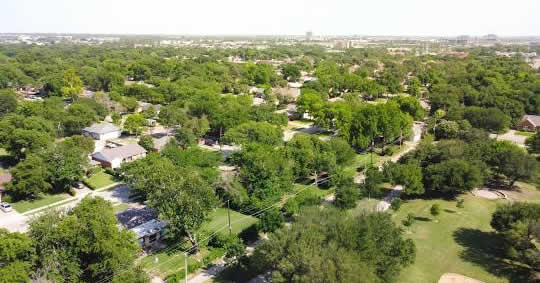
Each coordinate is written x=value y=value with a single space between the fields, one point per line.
x=270 y=221
x=29 y=178
x=72 y=84
x=8 y=102
x=134 y=124
x=17 y=255
x=533 y=143
x=184 y=199
x=98 y=251
x=517 y=223
x=395 y=204
x=453 y=177
x=290 y=72
x=146 y=142
x=435 y=209
x=260 y=132
x=364 y=248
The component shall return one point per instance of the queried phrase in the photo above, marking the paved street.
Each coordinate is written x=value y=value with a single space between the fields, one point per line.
x=17 y=222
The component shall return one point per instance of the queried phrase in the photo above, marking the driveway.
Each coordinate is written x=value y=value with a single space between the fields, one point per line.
x=384 y=205
x=511 y=137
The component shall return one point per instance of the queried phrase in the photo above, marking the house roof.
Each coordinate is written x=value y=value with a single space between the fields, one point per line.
x=102 y=128
x=149 y=228
x=535 y=120
x=120 y=152
x=161 y=142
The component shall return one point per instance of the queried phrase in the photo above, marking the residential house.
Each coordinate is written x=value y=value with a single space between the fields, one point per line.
x=161 y=142
x=114 y=157
x=102 y=131
x=144 y=223
x=529 y=123
x=4 y=178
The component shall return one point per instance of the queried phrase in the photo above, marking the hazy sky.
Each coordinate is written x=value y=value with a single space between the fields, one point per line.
x=366 y=17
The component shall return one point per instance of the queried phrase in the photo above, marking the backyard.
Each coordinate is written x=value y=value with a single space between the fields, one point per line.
x=171 y=261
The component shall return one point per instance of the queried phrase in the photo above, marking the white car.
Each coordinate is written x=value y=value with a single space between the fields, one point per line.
x=5 y=207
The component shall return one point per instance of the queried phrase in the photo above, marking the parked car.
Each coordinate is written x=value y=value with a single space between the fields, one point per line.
x=5 y=207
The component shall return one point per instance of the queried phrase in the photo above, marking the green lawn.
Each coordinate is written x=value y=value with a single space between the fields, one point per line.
x=172 y=261
x=100 y=180
x=527 y=134
x=219 y=219
x=362 y=160
x=24 y=206
x=321 y=192
x=168 y=262
x=458 y=241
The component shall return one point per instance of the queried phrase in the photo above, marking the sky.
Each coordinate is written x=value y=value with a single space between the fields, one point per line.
x=273 y=17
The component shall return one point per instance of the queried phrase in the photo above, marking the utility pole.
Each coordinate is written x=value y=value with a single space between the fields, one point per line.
x=185 y=266
x=372 y=148
x=229 y=216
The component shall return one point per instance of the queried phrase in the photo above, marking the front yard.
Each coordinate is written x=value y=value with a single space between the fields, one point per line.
x=48 y=199
x=100 y=180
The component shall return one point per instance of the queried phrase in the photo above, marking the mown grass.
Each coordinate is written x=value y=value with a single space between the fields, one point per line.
x=100 y=180
x=526 y=134
x=219 y=219
x=459 y=240
x=48 y=199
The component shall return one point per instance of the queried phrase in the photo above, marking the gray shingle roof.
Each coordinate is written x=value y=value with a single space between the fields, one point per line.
x=121 y=152
x=101 y=128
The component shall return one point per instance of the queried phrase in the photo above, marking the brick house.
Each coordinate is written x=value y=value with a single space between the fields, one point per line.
x=529 y=123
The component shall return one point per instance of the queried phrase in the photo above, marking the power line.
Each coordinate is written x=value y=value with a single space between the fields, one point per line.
x=189 y=250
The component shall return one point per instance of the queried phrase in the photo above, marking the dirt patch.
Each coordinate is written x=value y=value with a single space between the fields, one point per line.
x=485 y=193
x=457 y=278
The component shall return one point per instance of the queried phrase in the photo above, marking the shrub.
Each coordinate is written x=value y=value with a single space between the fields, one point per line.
x=7 y=198
x=460 y=203
x=435 y=209
x=88 y=184
x=270 y=221
x=396 y=204
x=72 y=192
x=409 y=220
x=390 y=150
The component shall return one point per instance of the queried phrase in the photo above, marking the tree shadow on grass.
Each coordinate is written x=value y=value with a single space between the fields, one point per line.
x=486 y=250
x=449 y=210
x=420 y=218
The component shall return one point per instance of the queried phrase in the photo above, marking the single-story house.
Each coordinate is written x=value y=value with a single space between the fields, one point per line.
x=150 y=232
x=529 y=123
x=114 y=157
x=102 y=131
x=161 y=142
x=4 y=178
x=144 y=223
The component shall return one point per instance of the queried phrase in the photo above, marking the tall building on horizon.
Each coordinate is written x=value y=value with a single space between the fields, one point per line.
x=309 y=35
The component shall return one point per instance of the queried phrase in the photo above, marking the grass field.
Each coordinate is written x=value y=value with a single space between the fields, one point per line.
x=527 y=134
x=24 y=206
x=100 y=180
x=219 y=219
x=168 y=262
x=459 y=240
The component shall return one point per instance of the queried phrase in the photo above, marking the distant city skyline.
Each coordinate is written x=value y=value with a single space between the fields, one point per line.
x=278 y=17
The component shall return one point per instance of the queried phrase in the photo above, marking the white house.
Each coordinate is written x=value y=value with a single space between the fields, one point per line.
x=102 y=131
x=114 y=157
